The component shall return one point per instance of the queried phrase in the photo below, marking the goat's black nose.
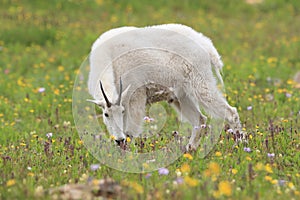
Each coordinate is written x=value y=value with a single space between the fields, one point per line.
x=120 y=141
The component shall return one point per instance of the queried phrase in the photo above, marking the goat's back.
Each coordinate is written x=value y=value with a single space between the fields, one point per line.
x=123 y=50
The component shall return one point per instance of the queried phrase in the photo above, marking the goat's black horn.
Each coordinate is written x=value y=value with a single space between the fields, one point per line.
x=104 y=95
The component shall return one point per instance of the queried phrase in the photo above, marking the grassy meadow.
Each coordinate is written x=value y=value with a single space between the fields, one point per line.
x=42 y=45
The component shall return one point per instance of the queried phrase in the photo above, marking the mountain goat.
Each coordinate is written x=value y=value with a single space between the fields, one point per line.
x=131 y=67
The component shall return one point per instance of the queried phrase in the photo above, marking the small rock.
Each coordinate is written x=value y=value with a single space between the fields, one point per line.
x=105 y=188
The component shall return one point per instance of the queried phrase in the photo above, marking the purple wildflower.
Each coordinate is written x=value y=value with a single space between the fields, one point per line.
x=94 y=167
x=148 y=175
x=148 y=119
x=271 y=155
x=281 y=182
x=163 y=171
x=249 y=108
x=247 y=149
x=41 y=90
x=179 y=180
x=288 y=95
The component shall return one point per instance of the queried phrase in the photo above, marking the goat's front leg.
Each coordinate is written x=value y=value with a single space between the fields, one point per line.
x=135 y=112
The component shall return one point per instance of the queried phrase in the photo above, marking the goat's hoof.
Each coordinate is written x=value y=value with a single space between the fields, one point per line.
x=191 y=147
x=243 y=139
x=239 y=142
x=188 y=147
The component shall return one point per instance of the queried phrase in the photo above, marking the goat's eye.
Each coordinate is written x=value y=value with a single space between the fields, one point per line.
x=105 y=114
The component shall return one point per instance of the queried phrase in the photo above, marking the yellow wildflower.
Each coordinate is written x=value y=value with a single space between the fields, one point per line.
x=185 y=168
x=187 y=155
x=271 y=60
x=99 y=2
x=61 y=68
x=56 y=91
x=30 y=174
x=268 y=168
x=268 y=178
x=112 y=137
x=290 y=82
x=225 y=188
x=291 y=185
x=10 y=182
x=80 y=142
x=191 y=181
x=214 y=167
x=234 y=171
x=218 y=154
x=114 y=18
x=259 y=166
x=213 y=170
x=20 y=82
x=134 y=185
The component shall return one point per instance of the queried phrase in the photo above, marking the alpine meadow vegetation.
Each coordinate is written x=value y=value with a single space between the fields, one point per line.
x=42 y=45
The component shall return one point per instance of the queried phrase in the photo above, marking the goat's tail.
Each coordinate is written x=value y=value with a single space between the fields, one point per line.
x=218 y=65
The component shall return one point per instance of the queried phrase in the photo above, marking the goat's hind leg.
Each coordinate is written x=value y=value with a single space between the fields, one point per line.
x=215 y=104
x=186 y=107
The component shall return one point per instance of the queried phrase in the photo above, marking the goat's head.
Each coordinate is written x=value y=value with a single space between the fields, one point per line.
x=113 y=115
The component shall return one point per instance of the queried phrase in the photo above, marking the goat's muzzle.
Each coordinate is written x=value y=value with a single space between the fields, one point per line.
x=120 y=142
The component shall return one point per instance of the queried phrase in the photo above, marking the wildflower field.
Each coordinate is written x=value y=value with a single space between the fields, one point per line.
x=42 y=45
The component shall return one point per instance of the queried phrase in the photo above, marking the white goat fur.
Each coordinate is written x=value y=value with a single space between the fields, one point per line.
x=198 y=87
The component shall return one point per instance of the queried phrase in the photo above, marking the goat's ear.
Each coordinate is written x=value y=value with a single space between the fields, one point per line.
x=97 y=102
x=125 y=92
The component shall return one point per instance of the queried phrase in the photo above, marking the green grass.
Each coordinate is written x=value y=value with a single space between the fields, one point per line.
x=43 y=44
